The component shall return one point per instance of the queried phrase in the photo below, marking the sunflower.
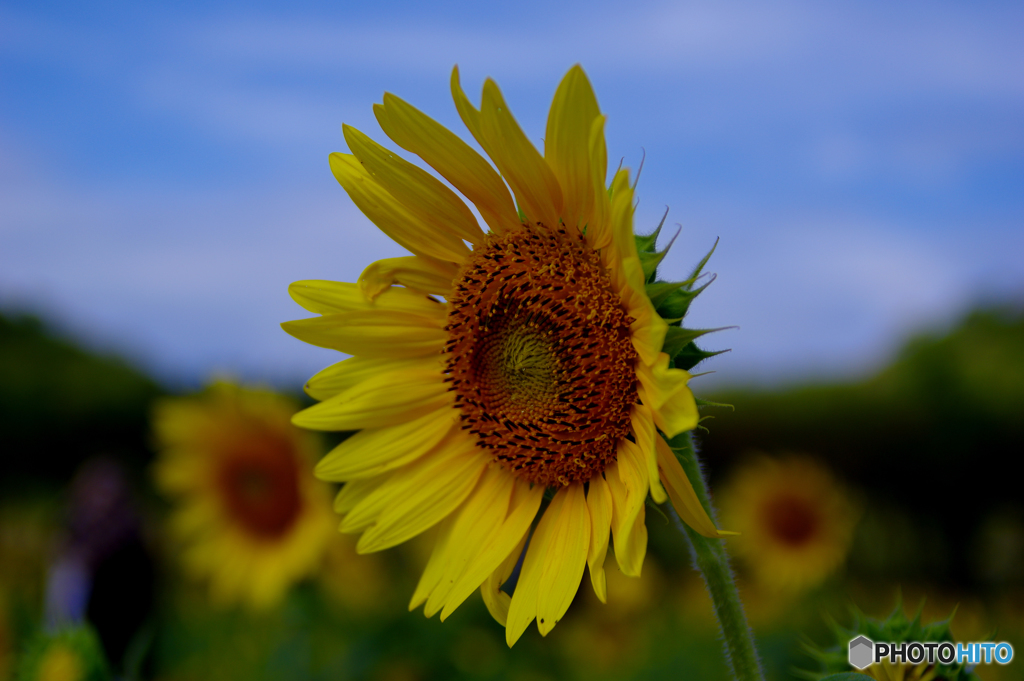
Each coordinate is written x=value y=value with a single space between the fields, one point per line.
x=251 y=516
x=508 y=386
x=795 y=521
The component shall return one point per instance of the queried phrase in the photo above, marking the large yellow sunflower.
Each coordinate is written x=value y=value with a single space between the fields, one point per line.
x=251 y=517
x=491 y=368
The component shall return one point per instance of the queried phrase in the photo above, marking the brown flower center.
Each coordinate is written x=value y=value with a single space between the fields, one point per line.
x=260 y=487
x=790 y=520
x=540 y=356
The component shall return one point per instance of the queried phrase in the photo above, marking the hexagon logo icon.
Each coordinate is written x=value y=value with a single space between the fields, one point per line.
x=861 y=652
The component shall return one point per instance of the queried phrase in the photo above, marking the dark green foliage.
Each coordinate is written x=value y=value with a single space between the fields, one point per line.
x=929 y=439
x=59 y=404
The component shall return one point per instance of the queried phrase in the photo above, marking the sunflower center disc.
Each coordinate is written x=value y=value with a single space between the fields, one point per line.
x=540 y=356
x=260 y=486
x=791 y=520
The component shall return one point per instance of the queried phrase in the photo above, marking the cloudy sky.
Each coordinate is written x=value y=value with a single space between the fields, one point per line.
x=163 y=171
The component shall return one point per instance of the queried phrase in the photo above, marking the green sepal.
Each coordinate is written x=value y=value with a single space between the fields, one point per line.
x=649 y=262
x=645 y=243
x=709 y=403
x=674 y=298
x=650 y=258
x=704 y=261
x=678 y=340
x=896 y=628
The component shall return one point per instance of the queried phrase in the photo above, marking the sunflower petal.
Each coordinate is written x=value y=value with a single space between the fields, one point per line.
x=421 y=193
x=496 y=551
x=418 y=272
x=396 y=485
x=427 y=500
x=564 y=562
x=378 y=333
x=496 y=600
x=327 y=297
x=643 y=430
x=390 y=216
x=455 y=160
x=522 y=166
x=386 y=399
x=627 y=481
x=523 y=609
x=435 y=564
x=599 y=503
x=599 y=233
x=373 y=451
x=342 y=375
x=567 y=145
x=665 y=390
x=680 y=491
x=352 y=493
x=476 y=521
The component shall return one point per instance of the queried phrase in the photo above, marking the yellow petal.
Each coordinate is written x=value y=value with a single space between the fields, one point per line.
x=477 y=520
x=522 y=166
x=374 y=451
x=352 y=493
x=565 y=559
x=680 y=491
x=342 y=375
x=523 y=608
x=328 y=297
x=644 y=432
x=378 y=333
x=623 y=245
x=387 y=399
x=494 y=553
x=567 y=145
x=496 y=600
x=599 y=503
x=418 y=272
x=398 y=484
x=435 y=564
x=627 y=481
x=665 y=390
x=632 y=548
x=390 y=216
x=648 y=329
x=418 y=191
x=428 y=498
x=599 y=233
x=455 y=160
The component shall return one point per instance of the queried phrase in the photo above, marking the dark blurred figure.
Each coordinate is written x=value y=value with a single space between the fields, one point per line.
x=103 y=571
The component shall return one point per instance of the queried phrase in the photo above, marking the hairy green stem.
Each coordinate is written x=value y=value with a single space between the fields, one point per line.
x=710 y=558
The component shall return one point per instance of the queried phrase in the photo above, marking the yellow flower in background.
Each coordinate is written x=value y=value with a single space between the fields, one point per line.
x=795 y=521
x=69 y=654
x=252 y=518
x=490 y=367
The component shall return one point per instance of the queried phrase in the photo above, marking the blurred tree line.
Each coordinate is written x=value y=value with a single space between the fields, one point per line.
x=929 y=440
x=924 y=443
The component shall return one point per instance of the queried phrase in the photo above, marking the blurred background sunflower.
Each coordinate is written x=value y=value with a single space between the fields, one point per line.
x=250 y=516
x=795 y=520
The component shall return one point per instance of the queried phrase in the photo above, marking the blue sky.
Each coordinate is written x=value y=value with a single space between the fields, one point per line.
x=163 y=170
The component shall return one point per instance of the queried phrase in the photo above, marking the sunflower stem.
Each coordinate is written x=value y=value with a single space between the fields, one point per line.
x=711 y=560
